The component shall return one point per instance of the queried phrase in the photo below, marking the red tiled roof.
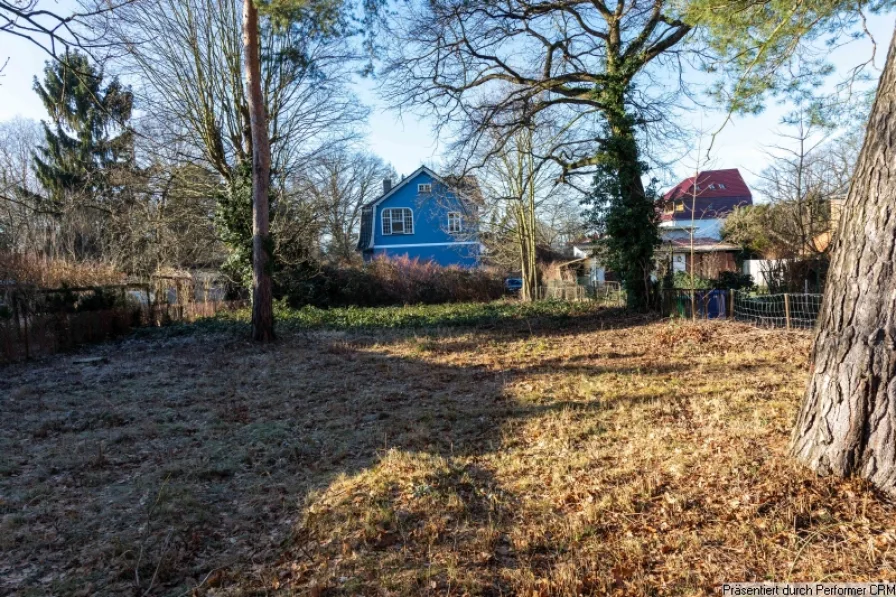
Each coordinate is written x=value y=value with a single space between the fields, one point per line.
x=734 y=185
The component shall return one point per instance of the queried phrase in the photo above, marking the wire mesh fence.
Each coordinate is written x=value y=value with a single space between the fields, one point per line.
x=786 y=310
x=609 y=294
x=696 y=304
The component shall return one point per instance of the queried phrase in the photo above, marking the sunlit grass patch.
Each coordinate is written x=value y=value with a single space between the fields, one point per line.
x=609 y=456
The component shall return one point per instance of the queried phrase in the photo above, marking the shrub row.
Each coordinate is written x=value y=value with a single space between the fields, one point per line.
x=385 y=282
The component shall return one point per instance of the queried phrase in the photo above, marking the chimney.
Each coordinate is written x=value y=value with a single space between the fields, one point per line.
x=387 y=185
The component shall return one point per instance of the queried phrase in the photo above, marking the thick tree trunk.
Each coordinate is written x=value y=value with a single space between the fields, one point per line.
x=847 y=425
x=262 y=298
x=640 y=209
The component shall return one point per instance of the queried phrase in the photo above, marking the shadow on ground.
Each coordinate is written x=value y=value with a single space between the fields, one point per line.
x=536 y=458
x=177 y=459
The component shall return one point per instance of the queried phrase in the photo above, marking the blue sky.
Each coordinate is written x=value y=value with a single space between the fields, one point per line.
x=407 y=141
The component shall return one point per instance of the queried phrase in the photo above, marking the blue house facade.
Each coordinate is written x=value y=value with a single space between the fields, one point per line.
x=423 y=217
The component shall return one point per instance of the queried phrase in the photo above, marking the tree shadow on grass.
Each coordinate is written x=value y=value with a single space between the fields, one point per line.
x=325 y=463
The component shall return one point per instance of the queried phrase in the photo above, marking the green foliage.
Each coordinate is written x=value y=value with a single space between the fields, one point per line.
x=80 y=147
x=66 y=300
x=734 y=281
x=747 y=227
x=624 y=214
x=425 y=316
x=774 y=46
x=682 y=280
x=288 y=248
x=233 y=222
x=725 y=281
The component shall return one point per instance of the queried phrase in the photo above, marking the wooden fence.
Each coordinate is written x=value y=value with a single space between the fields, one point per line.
x=34 y=323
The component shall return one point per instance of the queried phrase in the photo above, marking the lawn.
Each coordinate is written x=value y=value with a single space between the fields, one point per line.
x=536 y=453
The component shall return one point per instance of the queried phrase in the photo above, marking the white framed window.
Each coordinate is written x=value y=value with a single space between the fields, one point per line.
x=398 y=220
x=424 y=188
x=455 y=222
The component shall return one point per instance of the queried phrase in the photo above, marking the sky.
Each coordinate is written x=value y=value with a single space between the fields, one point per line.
x=408 y=140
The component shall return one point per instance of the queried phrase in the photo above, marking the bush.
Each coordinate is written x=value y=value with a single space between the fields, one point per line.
x=725 y=281
x=682 y=280
x=734 y=281
x=384 y=282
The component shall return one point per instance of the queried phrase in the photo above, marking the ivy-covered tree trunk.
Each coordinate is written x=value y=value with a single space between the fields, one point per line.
x=262 y=296
x=624 y=211
x=847 y=424
x=638 y=211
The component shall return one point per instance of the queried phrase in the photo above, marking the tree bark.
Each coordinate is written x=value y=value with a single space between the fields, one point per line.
x=262 y=297
x=623 y=146
x=848 y=418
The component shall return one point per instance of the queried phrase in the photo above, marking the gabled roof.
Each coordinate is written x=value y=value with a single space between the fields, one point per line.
x=467 y=185
x=712 y=184
x=404 y=181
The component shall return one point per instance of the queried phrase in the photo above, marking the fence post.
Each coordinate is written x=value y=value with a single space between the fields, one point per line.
x=731 y=306
x=787 y=309
x=693 y=306
x=24 y=312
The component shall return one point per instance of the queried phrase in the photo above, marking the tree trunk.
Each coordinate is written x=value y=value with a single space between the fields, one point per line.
x=847 y=424
x=639 y=209
x=262 y=298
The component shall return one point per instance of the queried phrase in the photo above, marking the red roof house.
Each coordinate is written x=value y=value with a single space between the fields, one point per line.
x=718 y=192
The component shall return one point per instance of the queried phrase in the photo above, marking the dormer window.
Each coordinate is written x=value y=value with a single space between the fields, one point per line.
x=424 y=188
x=712 y=187
x=721 y=186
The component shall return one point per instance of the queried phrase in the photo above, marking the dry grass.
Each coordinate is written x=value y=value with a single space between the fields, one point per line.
x=628 y=457
x=54 y=273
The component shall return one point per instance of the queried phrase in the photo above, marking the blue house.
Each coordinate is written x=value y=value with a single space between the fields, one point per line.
x=423 y=217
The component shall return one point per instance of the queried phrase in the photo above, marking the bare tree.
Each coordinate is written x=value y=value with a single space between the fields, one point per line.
x=338 y=184
x=586 y=68
x=55 y=31
x=187 y=60
x=805 y=182
x=575 y=63
x=23 y=223
x=520 y=193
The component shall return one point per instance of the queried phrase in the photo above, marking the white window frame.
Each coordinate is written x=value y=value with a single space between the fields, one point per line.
x=455 y=217
x=424 y=188
x=407 y=221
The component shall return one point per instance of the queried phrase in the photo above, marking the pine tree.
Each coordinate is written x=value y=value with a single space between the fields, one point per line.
x=86 y=136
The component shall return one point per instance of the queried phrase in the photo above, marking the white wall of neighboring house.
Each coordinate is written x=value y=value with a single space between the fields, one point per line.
x=597 y=273
x=679 y=263
x=705 y=228
x=758 y=268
